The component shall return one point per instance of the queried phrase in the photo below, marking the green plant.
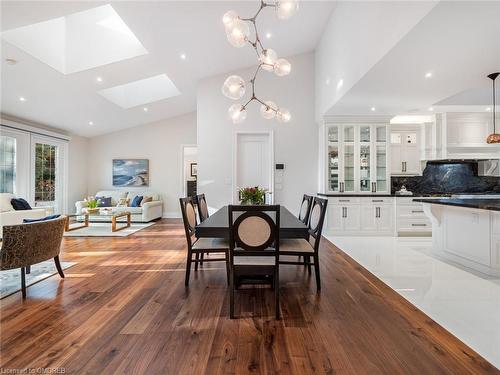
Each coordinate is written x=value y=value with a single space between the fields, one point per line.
x=252 y=195
x=92 y=202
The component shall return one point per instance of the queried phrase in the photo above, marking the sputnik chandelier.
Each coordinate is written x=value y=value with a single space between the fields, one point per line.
x=238 y=34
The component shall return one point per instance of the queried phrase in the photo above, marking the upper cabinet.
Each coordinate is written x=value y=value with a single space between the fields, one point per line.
x=458 y=135
x=357 y=158
x=405 y=151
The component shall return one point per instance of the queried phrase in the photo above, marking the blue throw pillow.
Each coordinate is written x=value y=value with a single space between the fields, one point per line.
x=50 y=217
x=20 y=204
x=104 y=201
x=136 y=202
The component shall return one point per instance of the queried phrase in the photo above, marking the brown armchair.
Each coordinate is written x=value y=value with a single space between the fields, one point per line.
x=27 y=244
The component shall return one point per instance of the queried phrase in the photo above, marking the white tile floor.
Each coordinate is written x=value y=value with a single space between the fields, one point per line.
x=466 y=304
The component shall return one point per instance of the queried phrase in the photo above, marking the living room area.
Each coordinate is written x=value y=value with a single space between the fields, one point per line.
x=136 y=137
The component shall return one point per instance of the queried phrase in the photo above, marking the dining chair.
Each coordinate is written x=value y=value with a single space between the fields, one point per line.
x=254 y=249
x=199 y=246
x=310 y=247
x=202 y=207
x=305 y=208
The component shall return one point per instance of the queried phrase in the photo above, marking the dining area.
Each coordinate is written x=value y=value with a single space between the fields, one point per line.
x=255 y=242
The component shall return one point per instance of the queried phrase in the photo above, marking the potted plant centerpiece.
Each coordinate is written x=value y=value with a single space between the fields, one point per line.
x=252 y=195
x=92 y=205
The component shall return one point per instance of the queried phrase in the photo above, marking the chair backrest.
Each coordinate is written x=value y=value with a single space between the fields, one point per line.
x=316 y=220
x=188 y=217
x=31 y=243
x=202 y=207
x=305 y=208
x=254 y=230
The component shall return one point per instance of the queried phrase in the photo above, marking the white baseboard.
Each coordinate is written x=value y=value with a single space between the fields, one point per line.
x=171 y=215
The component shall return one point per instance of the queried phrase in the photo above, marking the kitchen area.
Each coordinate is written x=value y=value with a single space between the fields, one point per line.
x=416 y=201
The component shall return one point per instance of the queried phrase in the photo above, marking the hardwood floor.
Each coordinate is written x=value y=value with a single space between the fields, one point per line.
x=124 y=309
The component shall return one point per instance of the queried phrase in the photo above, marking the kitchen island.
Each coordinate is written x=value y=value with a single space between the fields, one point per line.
x=466 y=231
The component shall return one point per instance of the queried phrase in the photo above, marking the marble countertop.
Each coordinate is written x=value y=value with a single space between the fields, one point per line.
x=482 y=204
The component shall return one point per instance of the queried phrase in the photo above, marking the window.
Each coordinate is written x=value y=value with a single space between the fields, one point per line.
x=7 y=164
x=45 y=172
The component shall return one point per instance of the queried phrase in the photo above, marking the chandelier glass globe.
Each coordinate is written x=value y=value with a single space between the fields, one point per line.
x=268 y=110
x=282 y=67
x=234 y=87
x=286 y=8
x=268 y=57
x=237 y=113
x=283 y=115
x=228 y=18
x=238 y=33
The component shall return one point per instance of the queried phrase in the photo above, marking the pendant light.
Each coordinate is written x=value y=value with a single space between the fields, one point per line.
x=494 y=137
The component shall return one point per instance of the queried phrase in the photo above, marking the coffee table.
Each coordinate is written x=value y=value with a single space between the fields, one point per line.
x=87 y=216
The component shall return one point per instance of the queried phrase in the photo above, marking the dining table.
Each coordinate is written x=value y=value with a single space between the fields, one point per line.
x=217 y=225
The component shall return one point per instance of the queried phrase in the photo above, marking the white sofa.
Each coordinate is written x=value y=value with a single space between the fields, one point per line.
x=147 y=212
x=9 y=216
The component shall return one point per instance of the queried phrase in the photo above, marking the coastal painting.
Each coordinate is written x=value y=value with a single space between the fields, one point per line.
x=130 y=172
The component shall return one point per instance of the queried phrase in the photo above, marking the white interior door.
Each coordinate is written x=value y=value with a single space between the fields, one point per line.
x=253 y=162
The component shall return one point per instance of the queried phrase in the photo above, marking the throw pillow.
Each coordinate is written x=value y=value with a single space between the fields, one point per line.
x=50 y=217
x=136 y=202
x=104 y=201
x=123 y=202
x=20 y=204
x=145 y=200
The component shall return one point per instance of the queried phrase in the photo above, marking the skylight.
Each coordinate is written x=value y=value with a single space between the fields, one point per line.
x=141 y=92
x=79 y=41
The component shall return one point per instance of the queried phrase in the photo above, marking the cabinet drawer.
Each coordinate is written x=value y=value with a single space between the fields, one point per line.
x=376 y=201
x=416 y=211
x=414 y=225
x=343 y=201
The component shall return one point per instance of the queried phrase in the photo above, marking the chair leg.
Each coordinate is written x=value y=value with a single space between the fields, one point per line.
x=202 y=256
x=308 y=261
x=197 y=257
x=188 y=267
x=231 y=295
x=316 y=272
x=58 y=266
x=28 y=270
x=277 y=295
x=227 y=268
x=23 y=282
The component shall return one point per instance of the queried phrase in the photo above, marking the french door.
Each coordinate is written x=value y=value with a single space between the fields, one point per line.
x=14 y=162
x=48 y=173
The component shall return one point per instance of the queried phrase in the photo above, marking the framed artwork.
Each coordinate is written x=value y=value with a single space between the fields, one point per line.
x=130 y=172
x=194 y=169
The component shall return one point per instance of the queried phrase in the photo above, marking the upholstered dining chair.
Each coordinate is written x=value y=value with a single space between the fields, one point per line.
x=308 y=249
x=198 y=246
x=27 y=244
x=254 y=248
x=305 y=208
x=202 y=207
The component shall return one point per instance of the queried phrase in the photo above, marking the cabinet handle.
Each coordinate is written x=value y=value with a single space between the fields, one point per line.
x=344 y=200
x=374 y=187
x=345 y=208
x=402 y=166
x=419 y=225
x=417 y=211
x=377 y=200
x=404 y=163
x=341 y=187
x=377 y=211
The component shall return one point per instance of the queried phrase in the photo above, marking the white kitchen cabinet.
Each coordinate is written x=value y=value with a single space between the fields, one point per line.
x=357 y=158
x=411 y=219
x=405 y=152
x=352 y=218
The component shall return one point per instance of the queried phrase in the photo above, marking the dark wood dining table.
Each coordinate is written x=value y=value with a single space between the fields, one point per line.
x=217 y=225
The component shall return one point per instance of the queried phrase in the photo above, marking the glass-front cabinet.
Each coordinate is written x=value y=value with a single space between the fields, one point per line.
x=357 y=158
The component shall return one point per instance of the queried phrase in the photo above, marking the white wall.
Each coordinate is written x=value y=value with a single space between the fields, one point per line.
x=77 y=170
x=159 y=142
x=357 y=36
x=295 y=143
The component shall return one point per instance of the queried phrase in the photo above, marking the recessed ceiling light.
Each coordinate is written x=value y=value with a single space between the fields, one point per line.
x=428 y=75
x=91 y=123
x=183 y=56
x=372 y=109
x=99 y=79
x=22 y=99
x=145 y=109
x=431 y=109
x=340 y=84
x=11 y=61
x=269 y=35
